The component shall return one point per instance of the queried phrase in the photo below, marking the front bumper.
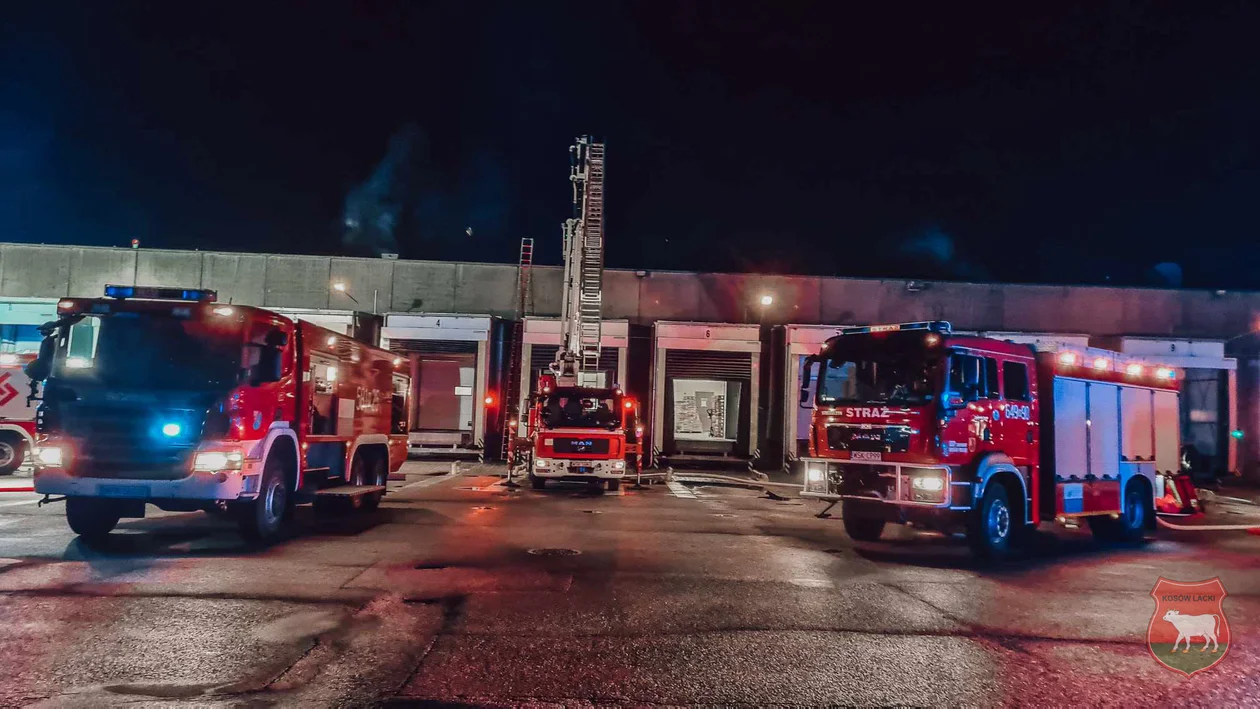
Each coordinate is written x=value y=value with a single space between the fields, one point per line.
x=226 y=486
x=577 y=469
x=887 y=483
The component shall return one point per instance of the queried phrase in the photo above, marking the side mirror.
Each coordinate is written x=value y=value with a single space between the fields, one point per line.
x=39 y=368
x=807 y=376
x=270 y=366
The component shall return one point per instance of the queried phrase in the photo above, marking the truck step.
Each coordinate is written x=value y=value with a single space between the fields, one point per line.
x=349 y=491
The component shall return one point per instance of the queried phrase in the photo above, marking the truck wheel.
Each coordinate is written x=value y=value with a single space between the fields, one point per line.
x=614 y=485
x=90 y=518
x=377 y=474
x=1131 y=525
x=992 y=524
x=859 y=528
x=263 y=519
x=536 y=482
x=12 y=452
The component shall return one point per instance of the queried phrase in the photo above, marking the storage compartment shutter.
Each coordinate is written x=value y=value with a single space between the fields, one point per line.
x=708 y=364
x=433 y=346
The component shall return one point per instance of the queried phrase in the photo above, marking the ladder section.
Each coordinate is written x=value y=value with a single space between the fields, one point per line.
x=511 y=394
x=591 y=267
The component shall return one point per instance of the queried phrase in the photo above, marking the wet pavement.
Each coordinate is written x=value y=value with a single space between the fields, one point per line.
x=459 y=590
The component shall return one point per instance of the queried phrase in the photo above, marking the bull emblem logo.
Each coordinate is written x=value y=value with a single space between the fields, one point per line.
x=1188 y=632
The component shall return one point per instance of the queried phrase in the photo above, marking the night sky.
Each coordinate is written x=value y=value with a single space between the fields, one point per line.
x=1052 y=142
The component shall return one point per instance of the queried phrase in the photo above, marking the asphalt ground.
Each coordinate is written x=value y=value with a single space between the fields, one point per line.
x=459 y=590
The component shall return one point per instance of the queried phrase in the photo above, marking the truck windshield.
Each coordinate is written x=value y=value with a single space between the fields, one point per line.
x=578 y=408
x=878 y=372
x=151 y=351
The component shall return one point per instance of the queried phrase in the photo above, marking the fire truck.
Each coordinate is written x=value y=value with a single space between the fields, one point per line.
x=579 y=427
x=163 y=396
x=918 y=426
x=17 y=412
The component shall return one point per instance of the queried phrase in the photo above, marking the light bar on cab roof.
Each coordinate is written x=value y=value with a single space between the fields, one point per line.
x=940 y=326
x=202 y=295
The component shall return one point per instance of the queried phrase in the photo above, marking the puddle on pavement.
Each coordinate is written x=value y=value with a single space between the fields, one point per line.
x=161 y=691
x=554 y=552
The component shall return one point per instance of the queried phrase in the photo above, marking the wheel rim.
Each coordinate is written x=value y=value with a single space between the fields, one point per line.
x=6 y=454
x=999 y=521
x=273 y=505
x=1136 y=511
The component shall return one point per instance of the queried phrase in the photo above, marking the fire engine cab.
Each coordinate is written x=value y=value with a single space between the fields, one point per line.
x=582 y=434
x=918 y=426
x=163 y=396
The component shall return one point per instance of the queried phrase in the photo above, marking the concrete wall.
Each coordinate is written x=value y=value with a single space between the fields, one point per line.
x=481 y=288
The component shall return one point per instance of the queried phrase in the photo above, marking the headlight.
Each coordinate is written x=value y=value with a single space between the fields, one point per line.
x=214 y=461
x=619 y=465
x=540 y=463
x=48 y=456
x=929 y=484
x=815 y=474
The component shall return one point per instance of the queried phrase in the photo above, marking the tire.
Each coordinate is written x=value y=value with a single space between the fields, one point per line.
x=91 y=518
x=377 y=474
x=536 y=482
x=614 y=485
x=1130 y=527
x=13 y=450
x=992 y=525
x=859 y=528
x=263 y=520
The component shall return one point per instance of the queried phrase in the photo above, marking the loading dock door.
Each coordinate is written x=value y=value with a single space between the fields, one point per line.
x=707 y=402
x=445 y=392
x=444 y=388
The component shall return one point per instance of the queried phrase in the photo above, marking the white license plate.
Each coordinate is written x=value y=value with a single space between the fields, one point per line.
x=866 y=455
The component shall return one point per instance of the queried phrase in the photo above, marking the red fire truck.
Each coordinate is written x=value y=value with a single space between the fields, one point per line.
x=162 y=396
x=579 y=428
x=17 y=412
x=582 y=434
x=916 y=425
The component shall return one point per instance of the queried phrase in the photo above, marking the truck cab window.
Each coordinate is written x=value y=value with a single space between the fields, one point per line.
x=966 y=377
x=1015 y=381
x=991 y=379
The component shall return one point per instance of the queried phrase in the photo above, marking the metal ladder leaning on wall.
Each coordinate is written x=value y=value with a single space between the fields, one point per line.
x=510 y=396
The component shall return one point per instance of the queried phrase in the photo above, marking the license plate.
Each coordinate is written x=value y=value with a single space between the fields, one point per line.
x=136 y=491
x=866 y=455
x=583 y=468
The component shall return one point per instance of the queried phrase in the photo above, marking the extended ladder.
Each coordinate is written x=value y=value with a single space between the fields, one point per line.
x=582 y=306
x=591 y=307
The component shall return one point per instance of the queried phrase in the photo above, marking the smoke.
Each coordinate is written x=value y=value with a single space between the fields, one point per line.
x=410 y=201
x=374 y=208
x=933 y=254
x=1166 y=274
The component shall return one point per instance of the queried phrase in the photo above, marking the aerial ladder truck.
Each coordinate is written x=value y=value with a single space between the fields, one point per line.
x=579 y=426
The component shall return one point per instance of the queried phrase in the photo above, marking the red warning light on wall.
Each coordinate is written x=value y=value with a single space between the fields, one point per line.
x=135 y=243
x=490 y=400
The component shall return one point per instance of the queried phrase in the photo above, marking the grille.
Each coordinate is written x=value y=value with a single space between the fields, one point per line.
x=864 y=480
x=880 y=439
x=581 y=445
x=128 y=442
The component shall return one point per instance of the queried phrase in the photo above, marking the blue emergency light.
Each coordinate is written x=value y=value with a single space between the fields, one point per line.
x=203 y=295
x=940 y=326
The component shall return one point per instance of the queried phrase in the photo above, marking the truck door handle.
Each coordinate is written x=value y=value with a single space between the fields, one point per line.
x=1030 y=436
